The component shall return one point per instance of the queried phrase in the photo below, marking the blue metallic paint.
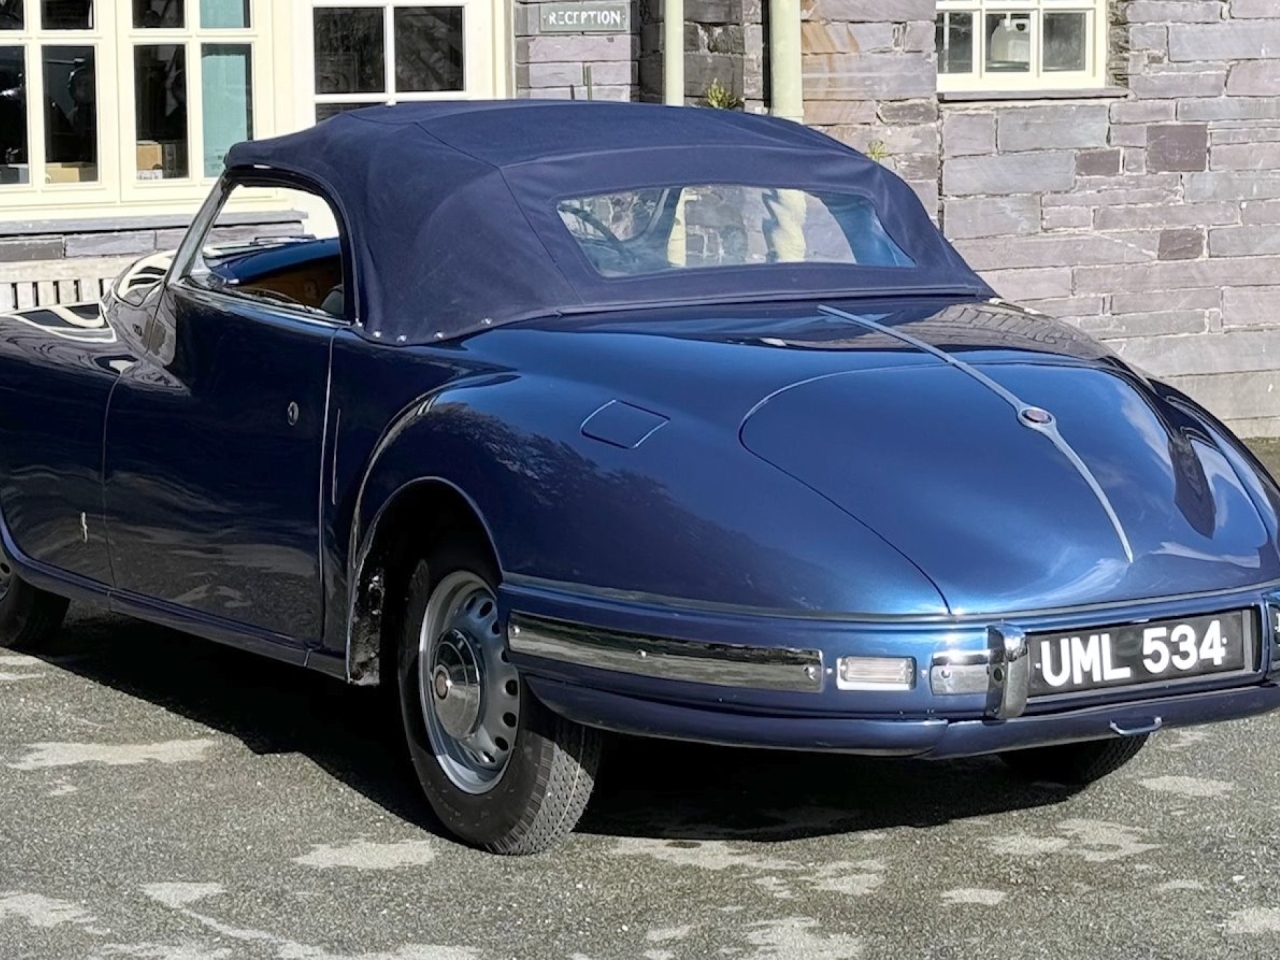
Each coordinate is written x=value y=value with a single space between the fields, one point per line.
x=211 y=494
x=54 y=384
x=816 y=483
x=919 y=638
x=933 y=739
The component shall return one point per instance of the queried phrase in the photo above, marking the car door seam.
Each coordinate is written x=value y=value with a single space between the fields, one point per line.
x=102 y=479
x=320 y=509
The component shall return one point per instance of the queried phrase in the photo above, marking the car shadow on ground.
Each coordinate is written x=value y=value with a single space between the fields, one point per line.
x=691 y=792
x=647 y=788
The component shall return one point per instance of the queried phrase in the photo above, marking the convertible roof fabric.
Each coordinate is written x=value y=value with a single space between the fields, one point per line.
x=450 y=207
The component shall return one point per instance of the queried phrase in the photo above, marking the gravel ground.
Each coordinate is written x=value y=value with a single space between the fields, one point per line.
x=162 y=797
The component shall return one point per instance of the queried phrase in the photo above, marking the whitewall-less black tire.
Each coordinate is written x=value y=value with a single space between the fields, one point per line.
x=29 y=617
x=499 y=769
x=1075 y=763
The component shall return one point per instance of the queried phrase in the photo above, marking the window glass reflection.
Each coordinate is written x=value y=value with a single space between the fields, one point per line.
x=428 y=48
x=13 y=117
x=953 y=36
x=158 y=13
x=326 y=110
x=227 y=98
x=11 y=15
x=224 y=14
x=349 y=50
x=71 y=117
x=160 y=96
x=1064 y=41
x=66 y=14
x=1008 y=42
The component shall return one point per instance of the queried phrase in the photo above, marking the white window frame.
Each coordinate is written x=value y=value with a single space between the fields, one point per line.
x=484 y=67
x=195 y=184
x=33 y=38
x=1036 y=79
x=118 y=191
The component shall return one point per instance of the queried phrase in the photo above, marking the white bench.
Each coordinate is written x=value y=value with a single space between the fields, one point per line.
x=43 y=283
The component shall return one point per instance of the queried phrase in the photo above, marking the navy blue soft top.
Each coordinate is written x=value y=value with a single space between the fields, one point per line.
x=451 y=213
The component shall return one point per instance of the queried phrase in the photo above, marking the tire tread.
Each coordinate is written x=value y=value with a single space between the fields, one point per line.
x=564 y=792
x=1077 y=764
x=29 y=616
x=564 y=755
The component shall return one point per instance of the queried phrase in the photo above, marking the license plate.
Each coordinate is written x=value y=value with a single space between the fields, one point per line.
x=1158 y=651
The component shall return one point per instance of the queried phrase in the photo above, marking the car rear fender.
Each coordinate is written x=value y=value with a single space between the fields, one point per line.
x=678 y=513
x=411 y=477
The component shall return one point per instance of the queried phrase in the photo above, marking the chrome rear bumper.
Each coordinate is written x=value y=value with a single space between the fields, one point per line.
x=719 y=664
x=1001 y=673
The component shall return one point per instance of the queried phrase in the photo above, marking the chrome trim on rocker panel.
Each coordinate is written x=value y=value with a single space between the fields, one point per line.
x=722 y=664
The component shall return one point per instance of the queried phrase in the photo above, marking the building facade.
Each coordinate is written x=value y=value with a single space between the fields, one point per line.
x=115 y=115
x=1113 y=162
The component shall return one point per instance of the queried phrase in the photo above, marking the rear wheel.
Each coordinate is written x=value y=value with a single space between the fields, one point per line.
x=1075 y=763
x=29 y=617
x=499 y=769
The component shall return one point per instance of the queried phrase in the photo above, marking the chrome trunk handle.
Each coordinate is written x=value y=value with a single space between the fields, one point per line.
x=1151 y=725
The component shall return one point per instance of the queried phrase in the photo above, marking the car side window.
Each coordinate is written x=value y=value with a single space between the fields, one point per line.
x=274 y=244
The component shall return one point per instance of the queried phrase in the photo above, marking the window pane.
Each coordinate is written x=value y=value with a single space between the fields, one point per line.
x=1008 y=42
x=160 y=80
x=243 y=259
x=224 y=13
x=13 y=117
x=349 y=50
x=629 y=233
x=67 y=14
x=954 y=38
x=326 y=110
x=228 y=100
x=159 y=13
x=11 y=15
x=71 y=115
x=1064 y=41
x=428 y=48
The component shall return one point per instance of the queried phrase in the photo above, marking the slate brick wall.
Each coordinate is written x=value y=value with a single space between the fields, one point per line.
x=126 y=237
x=870 y=78
x=561 y=66
x=1151 y=220
x=724 y=42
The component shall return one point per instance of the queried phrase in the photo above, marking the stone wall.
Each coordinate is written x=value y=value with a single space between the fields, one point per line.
x=724 y=42
x=566 y=66
x=870 y=80
x=1151 y=220
x=131 y=236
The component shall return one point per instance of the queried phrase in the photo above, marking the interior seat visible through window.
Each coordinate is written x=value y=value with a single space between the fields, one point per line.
x=280 y=245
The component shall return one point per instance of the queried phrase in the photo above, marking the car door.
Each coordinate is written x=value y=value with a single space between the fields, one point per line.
x=214 y=439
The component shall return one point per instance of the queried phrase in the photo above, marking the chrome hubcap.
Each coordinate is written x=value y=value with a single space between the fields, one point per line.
x=470 y=693
x=455 y=684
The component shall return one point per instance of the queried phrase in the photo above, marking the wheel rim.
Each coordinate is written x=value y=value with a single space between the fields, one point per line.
x=6 y=578
x=468 y=691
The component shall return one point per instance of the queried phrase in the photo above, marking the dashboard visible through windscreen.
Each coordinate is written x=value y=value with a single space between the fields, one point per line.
x=657 y=229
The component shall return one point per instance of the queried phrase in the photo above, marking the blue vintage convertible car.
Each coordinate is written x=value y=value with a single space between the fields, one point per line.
x=677 y=422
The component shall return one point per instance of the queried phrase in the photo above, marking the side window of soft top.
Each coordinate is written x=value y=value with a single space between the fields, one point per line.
x=274 y=244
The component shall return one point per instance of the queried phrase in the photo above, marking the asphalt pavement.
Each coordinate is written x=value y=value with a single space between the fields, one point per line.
x=166 y=798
